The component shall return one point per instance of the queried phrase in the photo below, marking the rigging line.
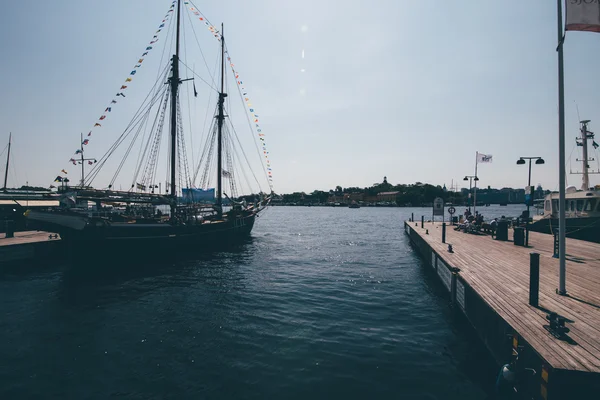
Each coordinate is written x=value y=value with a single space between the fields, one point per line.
x=200 y=48
x=262 y=163
x=198 y=76
x=116 y=144
x=136 y=114
x=207 y=112
x=155 y=141
x=142 y=150
x=168 y=39
x=244 y=154
x=260 y=155
x=140 y=128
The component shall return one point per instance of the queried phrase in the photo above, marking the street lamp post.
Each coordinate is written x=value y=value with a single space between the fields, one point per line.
x=521 y=161
x=470 y=178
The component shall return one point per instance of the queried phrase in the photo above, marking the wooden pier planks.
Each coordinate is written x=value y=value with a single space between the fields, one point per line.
x=499 y=273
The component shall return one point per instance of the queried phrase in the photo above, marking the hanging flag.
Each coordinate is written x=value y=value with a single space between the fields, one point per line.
x=195 y=92
x=97 y=124
x=123 y=87
x=63 y=171
x=594 y=144
x=102 y=117
x=120 y=94
x=90 y=134
x=484 y=158
x=582 y=15
x=133 y=72
x=72 y=160
x=145 y=54
x=108 y=109
x=226 y=174
x=113 y=102
x=90 y=163
x=86 y=141
x=139 y=186
x=78 y=151
x=58 y=179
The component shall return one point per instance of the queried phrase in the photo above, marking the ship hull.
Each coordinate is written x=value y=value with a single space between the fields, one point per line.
x=101 y=241
x=577 y=228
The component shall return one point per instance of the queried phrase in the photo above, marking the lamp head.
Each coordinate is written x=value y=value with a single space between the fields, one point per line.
x=520 y=161
x=476 y=179
x=540 y=161
x=465 y=179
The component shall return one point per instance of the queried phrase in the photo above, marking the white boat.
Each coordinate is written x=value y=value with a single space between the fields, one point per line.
x=582 y=207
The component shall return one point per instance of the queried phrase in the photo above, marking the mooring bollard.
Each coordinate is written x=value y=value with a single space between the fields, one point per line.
x=443 y=232
x=534 y=278
x=556 y=248
x=422 y=221
x=412 y=216
x=10 y=229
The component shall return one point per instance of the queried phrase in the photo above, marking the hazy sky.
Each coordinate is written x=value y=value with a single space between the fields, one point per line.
x=406 y=89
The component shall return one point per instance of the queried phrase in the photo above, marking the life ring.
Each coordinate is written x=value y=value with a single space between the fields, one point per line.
x=451 y=210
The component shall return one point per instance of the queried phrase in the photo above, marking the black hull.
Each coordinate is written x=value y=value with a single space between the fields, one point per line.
x=576 y=228
x=121 y=242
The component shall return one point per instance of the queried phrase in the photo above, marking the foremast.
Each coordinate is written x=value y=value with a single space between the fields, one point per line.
x=220 y=121
x=174 y=81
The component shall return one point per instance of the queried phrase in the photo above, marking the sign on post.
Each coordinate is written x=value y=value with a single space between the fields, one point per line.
x=438 y=207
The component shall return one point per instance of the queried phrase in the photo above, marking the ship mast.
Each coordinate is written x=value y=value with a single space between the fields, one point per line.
x=220 y=120
x=174 y=82
x=7 y=160
x=585 y=136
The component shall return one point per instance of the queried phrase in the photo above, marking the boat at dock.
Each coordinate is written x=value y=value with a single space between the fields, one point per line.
x=188 y=212
x=582 y=207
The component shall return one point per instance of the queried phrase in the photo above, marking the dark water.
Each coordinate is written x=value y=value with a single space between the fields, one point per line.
x=321 y=303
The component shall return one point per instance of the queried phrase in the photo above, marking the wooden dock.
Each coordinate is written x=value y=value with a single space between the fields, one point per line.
x=488 y=281
x=28 y=245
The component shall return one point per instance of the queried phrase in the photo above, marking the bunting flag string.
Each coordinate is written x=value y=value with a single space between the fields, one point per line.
x=140 y=60
x=250 y=108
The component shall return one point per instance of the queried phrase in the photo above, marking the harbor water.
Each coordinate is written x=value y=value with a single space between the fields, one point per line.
x=320 y=303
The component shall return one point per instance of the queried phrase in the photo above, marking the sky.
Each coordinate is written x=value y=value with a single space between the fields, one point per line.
x=347 y=91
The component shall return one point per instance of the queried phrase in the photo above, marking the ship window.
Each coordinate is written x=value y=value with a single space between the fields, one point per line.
x=555 y=205
x=590 y=205
x=547 y=205
x=579 y=205
x=572 y=206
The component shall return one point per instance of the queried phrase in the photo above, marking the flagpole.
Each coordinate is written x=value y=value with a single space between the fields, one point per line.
x=475 y=190
x=561 y=154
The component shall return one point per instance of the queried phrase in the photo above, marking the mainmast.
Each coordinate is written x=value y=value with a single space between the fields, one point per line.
x=585 y=136
x=174 y=81
x=220 y=120
x=7 y=160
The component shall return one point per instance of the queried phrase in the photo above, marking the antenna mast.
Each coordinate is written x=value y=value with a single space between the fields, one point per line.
x=585 y=136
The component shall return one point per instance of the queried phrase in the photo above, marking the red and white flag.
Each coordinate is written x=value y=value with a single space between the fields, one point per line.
x=583 y=15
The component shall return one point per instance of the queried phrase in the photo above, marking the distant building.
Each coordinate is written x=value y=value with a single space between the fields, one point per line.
x=388 y=196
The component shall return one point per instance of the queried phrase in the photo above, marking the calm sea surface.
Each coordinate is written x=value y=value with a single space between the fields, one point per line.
x=321 y=303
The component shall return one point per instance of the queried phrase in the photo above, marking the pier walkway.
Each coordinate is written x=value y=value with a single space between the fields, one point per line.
x=488 y=280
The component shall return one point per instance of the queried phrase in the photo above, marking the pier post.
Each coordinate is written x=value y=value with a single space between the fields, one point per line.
x=10 y=229
x=534 y=278
x=412 y=217
x=555 y=255
x=443 y=232
x=422 y=221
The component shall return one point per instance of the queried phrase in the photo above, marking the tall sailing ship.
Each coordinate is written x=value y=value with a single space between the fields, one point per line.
x=582 y=206
x=188 y=213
